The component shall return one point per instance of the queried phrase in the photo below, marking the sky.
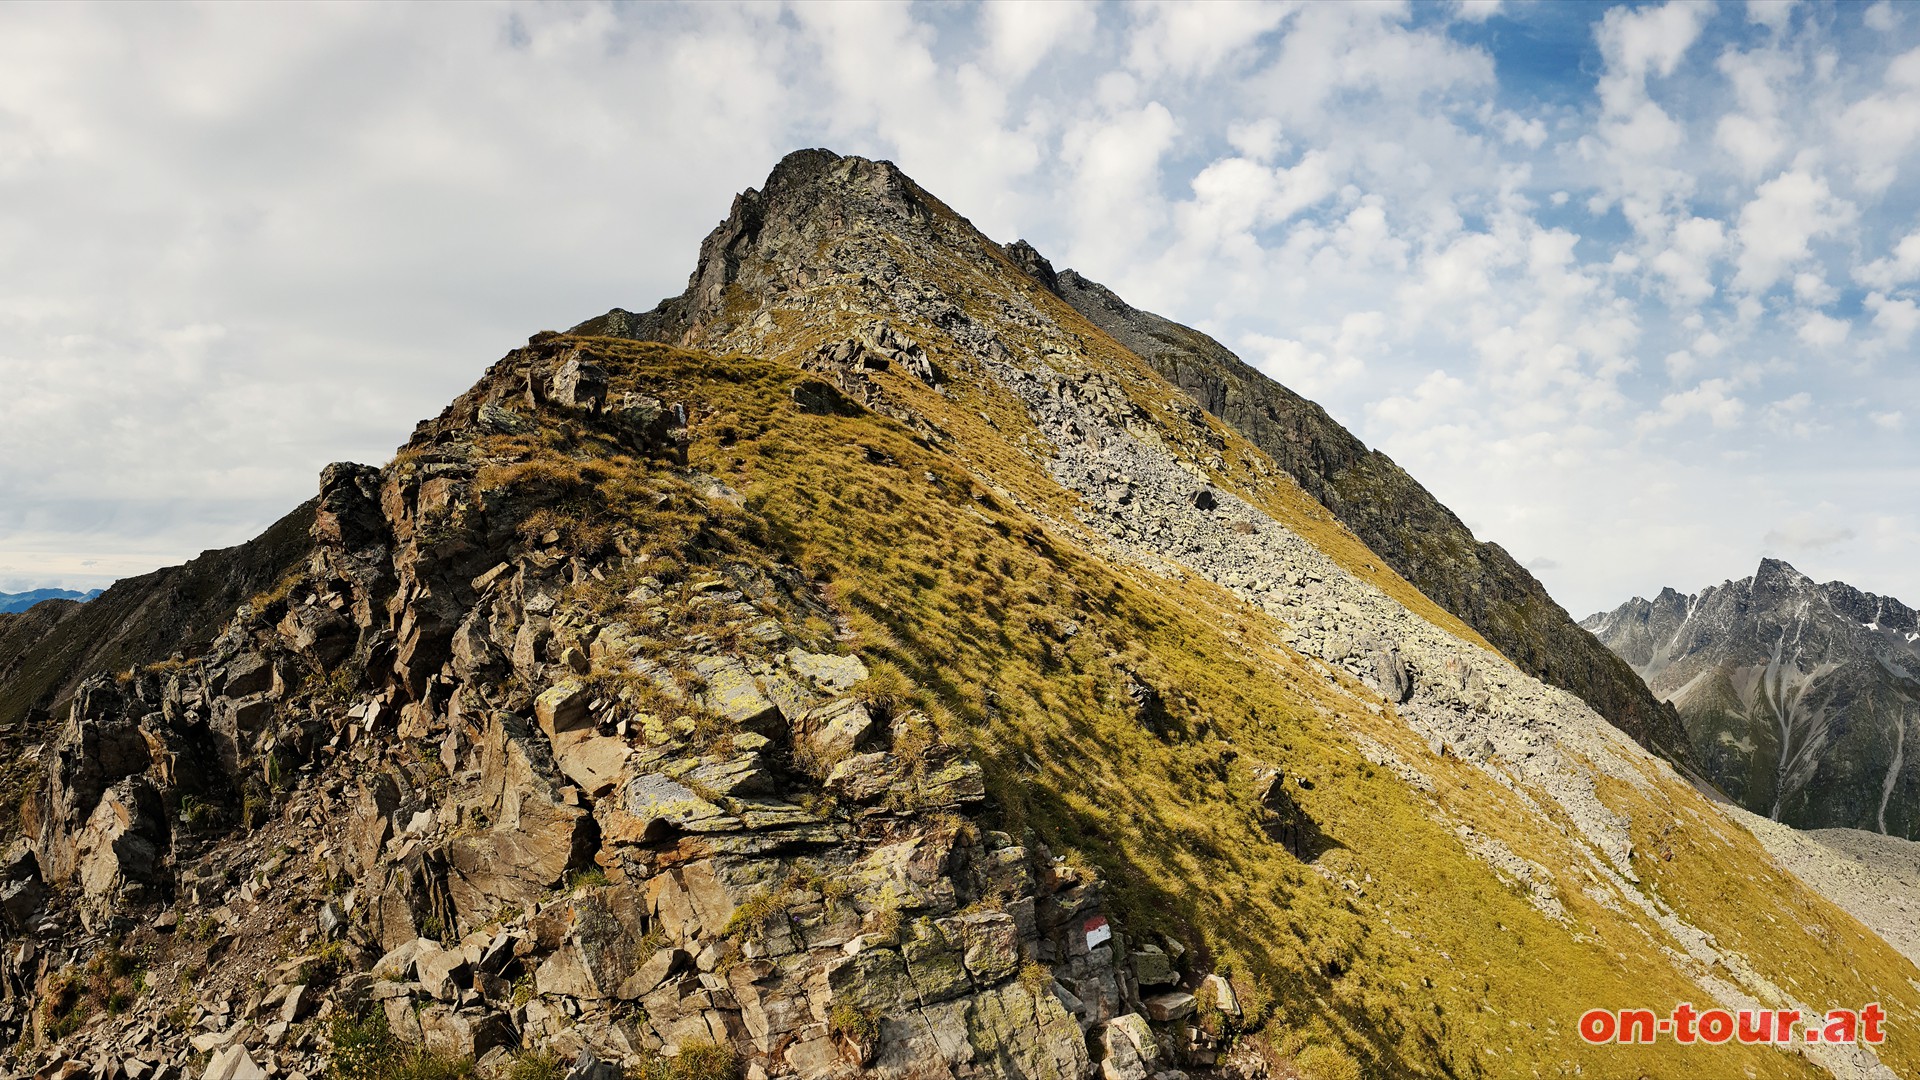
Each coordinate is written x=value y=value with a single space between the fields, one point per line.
x=1631 y=288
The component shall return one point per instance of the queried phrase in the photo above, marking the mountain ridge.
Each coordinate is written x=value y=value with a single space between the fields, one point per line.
x=889 y=674
x=1797 y=694
x=13 y=603
x=1423 y=541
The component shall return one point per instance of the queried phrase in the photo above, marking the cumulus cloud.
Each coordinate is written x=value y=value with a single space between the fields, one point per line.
x=1777 y=227
x=1711 y=398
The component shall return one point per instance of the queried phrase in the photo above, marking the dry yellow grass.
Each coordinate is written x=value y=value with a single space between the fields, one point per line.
x=1400 y=954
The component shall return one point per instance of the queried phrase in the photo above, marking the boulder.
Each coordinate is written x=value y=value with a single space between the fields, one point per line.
x=664 y=806
x=465 y=1033
x=833 y=674
x=1131 y=1051
x=562 y=708
x=579 y=384
x=732 y=692
x=1152 y=967
x=835 y=731
x=233 y=1063
x=990 y=944
x=536 y=837
x=1391 y=673
x=22 y=892
x=123 y=840
x=443 y=972
x=1217 y=993
x=863 y=778
x=594 y=762
x=347 y=515
x=1169 y=1007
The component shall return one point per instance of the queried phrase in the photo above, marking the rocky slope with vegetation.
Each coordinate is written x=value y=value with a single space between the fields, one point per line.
x=865 y=665
x=1799 y=698
x=1387 y=509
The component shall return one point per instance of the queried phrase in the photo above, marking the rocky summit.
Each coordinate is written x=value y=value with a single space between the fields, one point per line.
x=871 y=662
x=1797 y=697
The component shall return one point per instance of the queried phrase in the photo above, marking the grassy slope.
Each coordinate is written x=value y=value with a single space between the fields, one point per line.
x=967 y=604
x=1402 y=955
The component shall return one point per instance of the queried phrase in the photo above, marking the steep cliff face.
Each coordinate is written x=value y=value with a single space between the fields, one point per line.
x=865 y=665
x=1799 y=697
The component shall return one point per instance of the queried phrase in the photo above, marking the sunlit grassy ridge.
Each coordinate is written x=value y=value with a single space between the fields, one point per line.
x=1401 y=955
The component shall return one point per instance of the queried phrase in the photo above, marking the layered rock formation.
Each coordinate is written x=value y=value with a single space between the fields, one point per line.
x=1799 y=698
x=865 y=665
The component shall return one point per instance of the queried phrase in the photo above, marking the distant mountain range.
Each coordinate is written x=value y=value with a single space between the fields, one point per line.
x=1797 y=697
x=12 y=602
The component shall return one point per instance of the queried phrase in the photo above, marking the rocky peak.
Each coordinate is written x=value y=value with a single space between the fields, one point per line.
x=774 y=237
x=1774 y=578
x=1790 y=690
x=1035 y=264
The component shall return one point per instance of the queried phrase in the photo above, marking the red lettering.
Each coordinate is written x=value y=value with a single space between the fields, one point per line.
x=1842 y=1027
x=1783 y=1022
x=1683 y=1015
x=1636 y=1025
x=1597 y=1026
x=1756 y=1026
x=1716 y=1025
x=1870 y=1018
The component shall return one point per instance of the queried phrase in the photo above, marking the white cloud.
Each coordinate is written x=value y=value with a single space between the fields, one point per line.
x=1639 y=42
x=1779 y=224
x=1809 y=531
x=1899 y=268
x=1773 y=14
x=1257 y=139
x=1020 y=36
x=1187 y=38
x=1314 y=372
x=1751 y=141
x=1879 y=129
x=1687 y=264
x=1823 y=331
x=1116 y=173
x=1896 y=319
x=1712 y=399
x=1789 y=416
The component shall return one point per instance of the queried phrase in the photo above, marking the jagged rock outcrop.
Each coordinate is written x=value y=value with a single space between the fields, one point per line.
x=1799 y=698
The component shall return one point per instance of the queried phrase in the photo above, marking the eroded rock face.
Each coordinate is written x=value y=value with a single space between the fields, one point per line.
x=533 y=826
